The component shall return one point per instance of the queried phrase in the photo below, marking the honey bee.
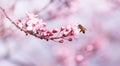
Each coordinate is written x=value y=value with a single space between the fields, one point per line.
x=82 y=28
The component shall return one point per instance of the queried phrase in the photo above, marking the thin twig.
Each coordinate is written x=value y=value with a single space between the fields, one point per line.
x=9 y=18
x=42 y=9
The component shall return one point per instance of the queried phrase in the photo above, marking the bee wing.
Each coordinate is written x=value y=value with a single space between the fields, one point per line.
x=85 y=29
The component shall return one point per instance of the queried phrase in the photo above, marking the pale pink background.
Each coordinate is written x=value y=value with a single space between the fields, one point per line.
x=99 y=46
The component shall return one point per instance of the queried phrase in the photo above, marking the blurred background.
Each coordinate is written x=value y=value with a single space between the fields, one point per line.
x=99 y=46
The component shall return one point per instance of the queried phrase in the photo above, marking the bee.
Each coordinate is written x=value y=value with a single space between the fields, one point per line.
x=82 y=28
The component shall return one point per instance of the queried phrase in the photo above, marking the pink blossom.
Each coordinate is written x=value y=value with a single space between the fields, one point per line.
x=61 y=41
x=89 y=48
x=55 y=30
x=69 y=39
x=79 y=58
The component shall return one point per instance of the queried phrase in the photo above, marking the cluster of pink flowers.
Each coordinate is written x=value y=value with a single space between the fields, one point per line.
x=37 y=27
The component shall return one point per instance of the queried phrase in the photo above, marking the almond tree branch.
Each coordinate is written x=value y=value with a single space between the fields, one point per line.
x=47 y=34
